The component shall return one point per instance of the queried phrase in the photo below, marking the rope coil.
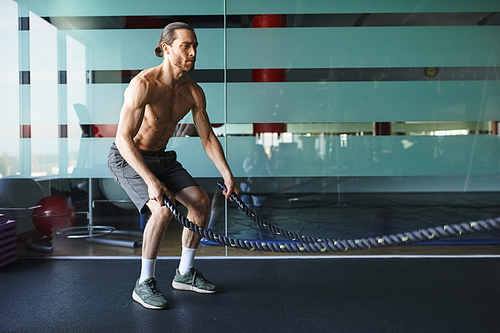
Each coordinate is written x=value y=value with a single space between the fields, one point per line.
x=302 y=244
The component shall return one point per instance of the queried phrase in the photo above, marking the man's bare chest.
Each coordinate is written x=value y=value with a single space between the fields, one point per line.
x=170 y=107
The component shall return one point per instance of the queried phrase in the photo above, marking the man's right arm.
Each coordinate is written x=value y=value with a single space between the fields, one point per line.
x=131 y=116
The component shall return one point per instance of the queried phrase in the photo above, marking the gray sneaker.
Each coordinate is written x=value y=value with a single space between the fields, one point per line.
x=193 y=280
x=148 y=295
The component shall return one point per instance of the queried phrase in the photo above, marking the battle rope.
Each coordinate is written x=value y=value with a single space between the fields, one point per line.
x=300 y=243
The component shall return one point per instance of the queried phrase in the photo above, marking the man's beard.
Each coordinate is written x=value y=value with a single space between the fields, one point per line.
x=178 y=62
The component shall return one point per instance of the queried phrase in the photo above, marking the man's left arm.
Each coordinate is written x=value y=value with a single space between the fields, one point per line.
x=210 y=143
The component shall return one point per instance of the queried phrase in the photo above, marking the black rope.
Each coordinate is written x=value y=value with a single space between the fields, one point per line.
x=301 y=244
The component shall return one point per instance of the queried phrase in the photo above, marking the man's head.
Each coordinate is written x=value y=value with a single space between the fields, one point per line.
x=178 y=41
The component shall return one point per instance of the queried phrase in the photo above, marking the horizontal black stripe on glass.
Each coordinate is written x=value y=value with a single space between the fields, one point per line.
x=377 y=74
x=134 y=22
x=292 y=20
x=326 y=74
x=24 y=23
x=24 y=77
x=124 y=76
x=63 y=131
x=62 y=77
x=376 y=19
x=305 y=75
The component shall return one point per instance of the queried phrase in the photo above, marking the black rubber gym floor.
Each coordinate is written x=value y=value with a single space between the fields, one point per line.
x=257 y=295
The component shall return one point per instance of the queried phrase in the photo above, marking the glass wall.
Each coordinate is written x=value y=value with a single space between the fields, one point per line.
x=325 y=109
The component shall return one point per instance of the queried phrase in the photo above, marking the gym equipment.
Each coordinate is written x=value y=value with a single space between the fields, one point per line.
x=18 y=199
x=300 y=243
x=54 y=211
x=51 y=212
x=115 y=194
x=93 y=232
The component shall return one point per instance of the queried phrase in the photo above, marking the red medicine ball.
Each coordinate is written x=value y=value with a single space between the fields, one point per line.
x=54 y=212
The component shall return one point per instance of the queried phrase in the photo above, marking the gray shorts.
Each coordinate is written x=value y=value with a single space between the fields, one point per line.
x=163 y=164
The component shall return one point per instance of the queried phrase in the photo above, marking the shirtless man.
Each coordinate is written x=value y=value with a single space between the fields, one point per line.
x=155 y=101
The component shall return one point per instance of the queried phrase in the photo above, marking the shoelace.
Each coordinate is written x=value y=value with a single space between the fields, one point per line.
x=196 y=273
x=154 y=287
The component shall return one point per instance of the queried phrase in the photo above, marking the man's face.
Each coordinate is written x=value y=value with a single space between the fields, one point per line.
x=183 y=50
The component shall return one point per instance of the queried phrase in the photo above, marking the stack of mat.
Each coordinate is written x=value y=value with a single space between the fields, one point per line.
x=8 y=241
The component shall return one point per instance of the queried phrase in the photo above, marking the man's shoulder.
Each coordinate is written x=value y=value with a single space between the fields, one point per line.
x=194 y=87
x=188 y=79
x=146 y=76
x=144 y=80
x=142 y=86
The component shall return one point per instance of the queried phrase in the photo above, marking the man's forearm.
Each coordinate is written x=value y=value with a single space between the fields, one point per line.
x=215 y=152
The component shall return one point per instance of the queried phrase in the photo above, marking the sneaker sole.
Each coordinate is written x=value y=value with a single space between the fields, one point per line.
x=136 y=298
x=183 y=286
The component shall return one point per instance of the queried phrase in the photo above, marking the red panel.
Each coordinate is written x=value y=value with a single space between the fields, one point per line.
x=268 y=128
x=269 y=21
x=269 y=75
x=25 y=131
x=494 y=127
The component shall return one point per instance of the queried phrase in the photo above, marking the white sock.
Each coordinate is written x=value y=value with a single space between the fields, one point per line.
x=187 y=258
x=148 y=269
